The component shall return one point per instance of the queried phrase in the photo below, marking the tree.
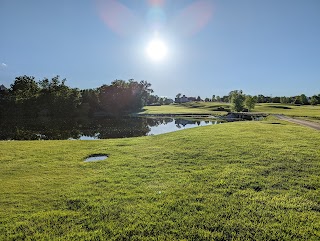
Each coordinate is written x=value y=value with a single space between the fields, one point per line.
x=250 y=102
x=218 y=98
x=236 y=99
x=213 y=98
x=304 y=99
x=276 y=99
x=24 y=87
x=24 y=95
x=284 y=100
x=178 y=95
x=314 y=100
x=260 y=99
x=124 y=97
x=198 y=98
x=297 y=101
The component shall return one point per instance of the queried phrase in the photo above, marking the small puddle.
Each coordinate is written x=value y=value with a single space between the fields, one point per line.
x=95 y=158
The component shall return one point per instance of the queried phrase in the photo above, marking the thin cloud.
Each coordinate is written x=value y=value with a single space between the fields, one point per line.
x=4 y=65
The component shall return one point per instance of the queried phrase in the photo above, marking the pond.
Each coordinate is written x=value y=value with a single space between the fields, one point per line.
x=94 y=129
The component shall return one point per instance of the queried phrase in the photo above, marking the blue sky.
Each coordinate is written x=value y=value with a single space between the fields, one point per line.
x=269 y=47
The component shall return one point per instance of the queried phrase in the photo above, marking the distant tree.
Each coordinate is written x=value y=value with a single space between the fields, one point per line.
x=198 y=98
x=218 y=99
x=267 y=99
x=276 y=99
x=284 y=100
x=206 y=99
x=178 y=95
x=304 y=99
x=153 y=99
x=314 y=100
x=250 y=102
x=168 y=101
x=260 y=99
x=237 y=100
x=296 y=100
x=213 y=98
x=225 y=98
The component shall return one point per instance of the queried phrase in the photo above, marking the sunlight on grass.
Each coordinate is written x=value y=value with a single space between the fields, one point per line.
x=245 y=180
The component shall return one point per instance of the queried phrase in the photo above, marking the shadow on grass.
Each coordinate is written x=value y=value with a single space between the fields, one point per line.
x=280 y=107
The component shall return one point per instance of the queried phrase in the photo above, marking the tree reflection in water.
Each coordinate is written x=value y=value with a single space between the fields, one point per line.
x=63 y=129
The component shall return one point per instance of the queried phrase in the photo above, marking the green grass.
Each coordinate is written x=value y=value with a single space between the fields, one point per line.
x=211 y=108
x=234 y=181
x=289 y=110
x=187 y=108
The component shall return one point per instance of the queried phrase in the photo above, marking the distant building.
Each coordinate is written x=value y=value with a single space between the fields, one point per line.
x=182 y=99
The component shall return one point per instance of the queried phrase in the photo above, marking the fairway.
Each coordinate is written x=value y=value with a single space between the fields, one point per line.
x=234 y=181
x=187 y=108
x=312 y=112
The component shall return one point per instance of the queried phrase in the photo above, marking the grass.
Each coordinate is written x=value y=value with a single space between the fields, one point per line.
x=187 y=108
x=289 y=110
x=313 y=112
x=234 y=181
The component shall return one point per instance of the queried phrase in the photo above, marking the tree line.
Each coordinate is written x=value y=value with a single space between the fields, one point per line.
x=28 y=98
x=242 y=102
x=298 y=100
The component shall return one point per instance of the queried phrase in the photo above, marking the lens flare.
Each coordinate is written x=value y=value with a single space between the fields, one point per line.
x=156 y=2
x=156 y=18
x=118 y=17
x=193 y=18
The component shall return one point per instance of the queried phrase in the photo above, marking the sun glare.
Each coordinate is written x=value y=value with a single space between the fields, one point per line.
x=157 y=50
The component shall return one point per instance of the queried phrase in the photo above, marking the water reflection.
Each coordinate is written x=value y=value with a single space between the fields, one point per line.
x=92 y=129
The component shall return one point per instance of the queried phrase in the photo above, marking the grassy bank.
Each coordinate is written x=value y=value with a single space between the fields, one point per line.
x=187 y=108
x=212 y=108
x=290 y=110
x=234 y=181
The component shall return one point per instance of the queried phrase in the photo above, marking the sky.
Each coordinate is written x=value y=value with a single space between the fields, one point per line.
x=207 y=47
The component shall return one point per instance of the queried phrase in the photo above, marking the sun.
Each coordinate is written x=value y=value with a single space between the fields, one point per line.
x=157 y=50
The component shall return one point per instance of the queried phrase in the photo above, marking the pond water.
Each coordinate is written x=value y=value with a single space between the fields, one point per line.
x=94 y=129
x=96 y=158
x=179 y=124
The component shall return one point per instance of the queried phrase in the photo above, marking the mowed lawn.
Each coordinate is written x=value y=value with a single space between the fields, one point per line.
x=289 y=110
x=232 y=181
x=187 y=108
x=313 y=112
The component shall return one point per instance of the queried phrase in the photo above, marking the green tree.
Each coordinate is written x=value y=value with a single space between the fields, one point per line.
x=237 y=100
x=24 y=95
x=261 y=99
x=213 y=98
x=24 y=88
x=304 y=99
x=250 y=102
x=58 y=99
x=123 y=97
x=314 y=100
x=284 y=100
x=218 y=99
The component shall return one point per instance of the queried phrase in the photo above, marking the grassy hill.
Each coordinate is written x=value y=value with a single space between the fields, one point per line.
x=233 y=181
x=213 y=108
